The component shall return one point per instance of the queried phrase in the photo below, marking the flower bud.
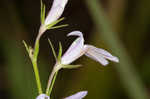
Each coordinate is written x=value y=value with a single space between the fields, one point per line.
x=56 y=11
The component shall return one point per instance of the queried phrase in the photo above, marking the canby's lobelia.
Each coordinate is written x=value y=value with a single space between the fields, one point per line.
x=75 y=51
x=78 y=48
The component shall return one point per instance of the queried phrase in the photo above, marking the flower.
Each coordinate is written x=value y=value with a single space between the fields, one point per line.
x=54 y=14
x=42 y=96
x=78 y=48
x=56 y=11
x=79 y=95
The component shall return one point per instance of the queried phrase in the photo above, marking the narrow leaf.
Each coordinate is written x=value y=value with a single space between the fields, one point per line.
x=43 y=16
x=49 y=26
x=42 y=12
x=60 y=52
x=52 y=47
x=60 y=26
x=71 y=66
x=26 y=46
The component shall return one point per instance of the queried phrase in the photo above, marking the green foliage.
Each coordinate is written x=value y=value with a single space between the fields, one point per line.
x=26 y=46
x=60 y=52
x=60 y=26
x=58 y=59
x=42 y=12
x=49 y=26
x=53 y=50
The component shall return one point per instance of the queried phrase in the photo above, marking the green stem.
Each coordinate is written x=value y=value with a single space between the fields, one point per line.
x=49 y=81
x=52 y=84
x=36 y=71
x=52 y=79
x=34 y=62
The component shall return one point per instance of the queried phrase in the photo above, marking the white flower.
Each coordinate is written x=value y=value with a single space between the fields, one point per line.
x=56 y=11
x=78 y=48
x=42 y=96
x=79 y=95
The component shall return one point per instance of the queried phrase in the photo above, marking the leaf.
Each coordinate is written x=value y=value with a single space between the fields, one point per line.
x=60 y=26
x=52 y=47
x=28 y=49
x=26 y=46
x=60 y=52
x=71 y=66
x=42 y=12
x=49 y=26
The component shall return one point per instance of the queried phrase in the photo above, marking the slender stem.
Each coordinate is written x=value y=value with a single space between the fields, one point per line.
x=52 y=79
x=34 y=62
x=36 y=71
x=41 y=31
x=52 y=84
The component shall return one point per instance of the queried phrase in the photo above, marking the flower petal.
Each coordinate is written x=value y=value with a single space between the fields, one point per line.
x=43 y=96
x=99 y=55
x=76 y=33
x=78 y=42
x=75 y=50
x=60 y=2
x=97 y=58
x=56 y=11
x=79 y=95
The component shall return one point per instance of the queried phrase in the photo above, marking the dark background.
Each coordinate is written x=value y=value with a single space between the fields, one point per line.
x=20 y=20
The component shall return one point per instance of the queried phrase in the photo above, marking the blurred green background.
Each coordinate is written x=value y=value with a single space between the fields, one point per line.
x=120 y=26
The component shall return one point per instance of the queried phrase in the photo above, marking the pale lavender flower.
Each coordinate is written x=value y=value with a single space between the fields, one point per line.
x=78 y=48
x=54 y=14
x=79 y=95
x=42 y=96
x=56 y=11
